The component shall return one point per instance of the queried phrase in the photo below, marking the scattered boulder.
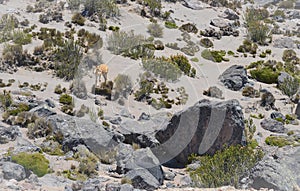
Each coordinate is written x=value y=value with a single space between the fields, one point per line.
x=284 y=42
x=214 y=92
x=249 y=91
x=282 y=77
x=234 y=78
x=141 y=166
x=220 y=23
x=195 y=4
x=76 y=131
x=144 y=117
x=13 y=171
x=277 y=115
x=202 y=129
x=273 y=126
x=277 y=171
x=267 y=100
x=230 y=14
x=9 y=133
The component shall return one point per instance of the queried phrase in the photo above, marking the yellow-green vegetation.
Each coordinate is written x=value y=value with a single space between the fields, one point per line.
x=290 y=86
x=154 y=6
x=17 y=108
x=20 y=37
x=78 y=19
x=87 y=162
x=8 y=23
x=248 y=47
x=287 y=4
x=36 y=162
x=52 y=148
x=89 y=40
x=103 y=8
x=214 y=55
x=66 y=99
x=59 y=90
x=259 y=116
x=249 y=131
x=125 y=180
x=114 y=28
x=279 y=141
x=13 y=54
x=195 y=59
x=265 y=75
x=225 y=167
x=170 y=25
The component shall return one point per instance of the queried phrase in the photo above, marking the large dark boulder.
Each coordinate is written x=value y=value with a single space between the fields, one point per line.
x=9 y=133
x=234 y=78
x=202 y=129
x=278 y=171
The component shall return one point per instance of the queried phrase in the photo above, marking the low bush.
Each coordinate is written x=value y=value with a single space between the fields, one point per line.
x=65 y=99
x=155 y=30
x=248 y=47
x=265 y=75
x=290 y=86
x=40 y=128
x=78 y=19
x=5 y=99
x=36 y=162
x=215 y=56
x=170 y=25
x=206 y=43
x=225 y=167
x=21 y=38
x=189 y=27
x=279 y=141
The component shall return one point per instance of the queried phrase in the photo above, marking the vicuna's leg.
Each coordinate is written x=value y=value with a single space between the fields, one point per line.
x=105 y=77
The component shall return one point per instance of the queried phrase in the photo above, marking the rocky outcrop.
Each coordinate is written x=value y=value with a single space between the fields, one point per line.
x=194 y=4
x=77 y=131
x=267 y=100
x=13 y=171
x=278 y=171
x=214 y=92
x=230 y=14
x=284 y=42
x=220 y=23
x=282 y=77
x=202 y=129
x=234 y=78
x=9 y=133
x=140 y=166
x=273 y=126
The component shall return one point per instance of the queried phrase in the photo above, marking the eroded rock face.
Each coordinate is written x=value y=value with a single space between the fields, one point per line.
x=234 y=78
x=203 y=129
x=278 y=171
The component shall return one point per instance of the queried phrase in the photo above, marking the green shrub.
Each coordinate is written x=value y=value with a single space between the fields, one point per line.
x=128 y=44
x=225 y=167
x=290 y=86
x=40 y=128
x=66 y=99
x=195 y=59
x=289 y=55
x=108 y=8
x=58 y=89
x=67 y=58
x=146 y=88
x=170 y=25
x=155 y=30
x=78 y=19
x=154 y=6
x=21 y=38
x=13 y=54
x=35 y=162
x=7 y=24
x=279 y=141
x=18 y=108
x=265 y=75
x=114 y=28
x=206 y=43
x=189 y=27
x=215 y=56
x=248 y=47
x=73 y=5
x=162 y=67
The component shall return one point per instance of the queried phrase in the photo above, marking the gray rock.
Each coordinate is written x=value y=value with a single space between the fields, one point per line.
x=276 y=115
x=50 y=103
x=230 y=14
x=125 y=113
x=282 y=77
x=13 y=171
x=194 y=4
x=126 y=187
x=78 y=88
x=202 y=129
x=168 y=175
x=144 y=116
x=220 y=23
x=185 y=181
x=234 y=77
x=140 y=159
x=267 y=100
x=54 y=181
x=143 y=179
x=9 y=133
x=297 y=112
x=214 y=92
x=273 y=126
x=43 y=112
x=115 y=120
x=194 y=166
x=284 y=42
x=112 y=187
x=78 y=131
x=278 y=171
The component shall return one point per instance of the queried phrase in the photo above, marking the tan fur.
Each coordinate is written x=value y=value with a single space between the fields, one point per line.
x=101 y=70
